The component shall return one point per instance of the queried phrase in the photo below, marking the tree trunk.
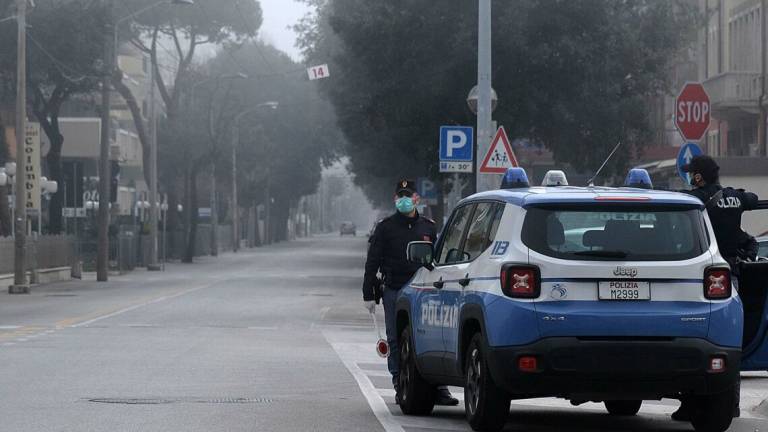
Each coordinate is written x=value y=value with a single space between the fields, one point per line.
x=191 y=213
x=138 y=120
x=5 y=213
x=56 y=173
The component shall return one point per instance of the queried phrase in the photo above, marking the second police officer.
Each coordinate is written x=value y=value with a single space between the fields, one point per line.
x=725 y=207
x=387 y=255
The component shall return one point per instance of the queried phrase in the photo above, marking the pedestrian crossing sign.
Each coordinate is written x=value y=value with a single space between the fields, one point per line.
x=500 y=155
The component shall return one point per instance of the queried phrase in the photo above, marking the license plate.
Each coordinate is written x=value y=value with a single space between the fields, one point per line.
x=624 y=290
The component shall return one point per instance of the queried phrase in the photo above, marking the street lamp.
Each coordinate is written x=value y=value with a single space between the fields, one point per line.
x=472 y=100
x=272 y=105
x=104 y=168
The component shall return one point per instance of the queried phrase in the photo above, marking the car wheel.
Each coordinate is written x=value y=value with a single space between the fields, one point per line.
x=417 y=396
x=623 y=407
x=713 y=413
x=486 y=405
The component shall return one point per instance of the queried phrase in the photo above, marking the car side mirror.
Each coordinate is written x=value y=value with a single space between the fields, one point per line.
x=420 y=252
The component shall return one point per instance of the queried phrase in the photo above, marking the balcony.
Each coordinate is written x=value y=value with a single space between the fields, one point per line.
x=734 y=94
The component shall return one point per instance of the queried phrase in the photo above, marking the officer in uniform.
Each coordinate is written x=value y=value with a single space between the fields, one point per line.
x=725 y=207
x=387 y=255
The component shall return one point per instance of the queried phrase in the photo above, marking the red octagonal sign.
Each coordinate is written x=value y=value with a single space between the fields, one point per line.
x=692 y=111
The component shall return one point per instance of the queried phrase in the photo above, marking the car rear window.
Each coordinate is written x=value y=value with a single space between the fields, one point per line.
x=616 y=233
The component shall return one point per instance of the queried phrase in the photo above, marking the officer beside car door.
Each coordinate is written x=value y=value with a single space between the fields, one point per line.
x=387 y=254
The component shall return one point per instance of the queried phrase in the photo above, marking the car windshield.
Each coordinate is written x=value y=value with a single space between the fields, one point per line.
x=615 y=233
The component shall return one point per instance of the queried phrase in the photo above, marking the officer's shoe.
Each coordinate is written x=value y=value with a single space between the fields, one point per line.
x=736 y=412
x=397 y=393
x=444 y=398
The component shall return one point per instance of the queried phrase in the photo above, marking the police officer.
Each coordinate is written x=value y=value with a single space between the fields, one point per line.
x=387 y=255
x=725 y=207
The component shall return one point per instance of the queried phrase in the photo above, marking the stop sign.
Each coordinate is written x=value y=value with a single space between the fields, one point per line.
x=692 y=111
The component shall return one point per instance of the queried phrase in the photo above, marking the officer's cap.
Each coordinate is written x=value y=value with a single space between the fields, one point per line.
x=405 y=186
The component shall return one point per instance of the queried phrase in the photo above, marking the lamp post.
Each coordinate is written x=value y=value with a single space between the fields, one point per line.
x=111 y=53
x=484 y=105
x=235 y=141
x=214 y=246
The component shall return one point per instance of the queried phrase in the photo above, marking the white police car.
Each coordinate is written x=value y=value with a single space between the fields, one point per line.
x=603 y=294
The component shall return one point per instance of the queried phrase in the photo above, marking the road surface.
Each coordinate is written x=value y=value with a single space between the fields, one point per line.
x=273 y=339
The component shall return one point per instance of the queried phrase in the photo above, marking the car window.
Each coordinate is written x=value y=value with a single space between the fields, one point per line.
x=615 y=233
x=763 y=249
x=479 y=235
x=450 y=250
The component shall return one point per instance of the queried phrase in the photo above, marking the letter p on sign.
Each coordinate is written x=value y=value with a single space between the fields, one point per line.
x=456 y=140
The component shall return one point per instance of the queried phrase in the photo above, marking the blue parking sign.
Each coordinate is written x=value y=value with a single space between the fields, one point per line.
x=456 y=143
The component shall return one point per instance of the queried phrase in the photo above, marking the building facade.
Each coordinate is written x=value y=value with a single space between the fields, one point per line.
x=732 y=65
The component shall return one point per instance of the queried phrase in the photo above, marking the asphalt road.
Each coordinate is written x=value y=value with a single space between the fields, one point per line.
x=273 y=339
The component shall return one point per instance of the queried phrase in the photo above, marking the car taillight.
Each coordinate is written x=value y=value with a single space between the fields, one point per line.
x=717 y=283
x=520 y=281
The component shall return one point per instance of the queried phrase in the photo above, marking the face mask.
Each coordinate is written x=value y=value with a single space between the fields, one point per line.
x=404 y=205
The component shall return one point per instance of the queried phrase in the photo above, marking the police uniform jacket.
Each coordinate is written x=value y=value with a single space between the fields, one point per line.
x=725 y=214
x=387 y=250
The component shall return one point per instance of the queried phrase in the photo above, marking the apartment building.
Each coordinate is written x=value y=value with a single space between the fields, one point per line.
x=732 y=66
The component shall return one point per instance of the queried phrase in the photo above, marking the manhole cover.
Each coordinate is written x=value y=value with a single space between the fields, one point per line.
x=138 y=401
x=158 y=401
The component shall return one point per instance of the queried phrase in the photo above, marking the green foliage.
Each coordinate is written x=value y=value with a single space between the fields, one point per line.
x=573 y=76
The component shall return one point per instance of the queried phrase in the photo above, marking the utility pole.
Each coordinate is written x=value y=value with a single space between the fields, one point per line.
x=153 y=201
x=484 y=109
x=110 y=56
x=20 y=285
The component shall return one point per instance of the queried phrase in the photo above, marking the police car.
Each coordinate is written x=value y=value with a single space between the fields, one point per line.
x=613 y=295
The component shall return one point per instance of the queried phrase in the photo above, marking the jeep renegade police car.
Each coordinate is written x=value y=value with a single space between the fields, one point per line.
x=615 y=295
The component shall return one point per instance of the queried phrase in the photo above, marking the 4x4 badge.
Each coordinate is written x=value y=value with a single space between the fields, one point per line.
x=625 y=271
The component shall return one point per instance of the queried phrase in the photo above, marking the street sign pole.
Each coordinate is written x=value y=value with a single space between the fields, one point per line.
x=484 y=81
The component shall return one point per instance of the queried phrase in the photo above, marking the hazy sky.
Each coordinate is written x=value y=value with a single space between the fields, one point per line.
x=278 y=16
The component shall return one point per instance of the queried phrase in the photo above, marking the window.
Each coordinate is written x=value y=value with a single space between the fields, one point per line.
x=450 y=249
x=485 y=222
x=626 y=233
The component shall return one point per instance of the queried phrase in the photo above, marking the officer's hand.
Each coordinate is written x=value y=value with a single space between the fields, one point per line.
x=370 y=305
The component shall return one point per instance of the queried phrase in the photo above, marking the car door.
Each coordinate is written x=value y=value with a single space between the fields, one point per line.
x=753 y=291
x=430 y=311
x=481 y=229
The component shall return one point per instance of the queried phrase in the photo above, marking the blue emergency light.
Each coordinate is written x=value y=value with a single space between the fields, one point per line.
x=638 y=178
x=515 y=178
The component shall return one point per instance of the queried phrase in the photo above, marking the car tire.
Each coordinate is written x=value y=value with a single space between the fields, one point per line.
x=713 y=413
x=623 y=407
x=486 y=405
x=417 y=396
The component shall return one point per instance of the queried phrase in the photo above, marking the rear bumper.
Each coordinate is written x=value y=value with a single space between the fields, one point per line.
x=597 y=369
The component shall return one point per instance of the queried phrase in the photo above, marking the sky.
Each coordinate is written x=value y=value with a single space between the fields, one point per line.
x=279 y=15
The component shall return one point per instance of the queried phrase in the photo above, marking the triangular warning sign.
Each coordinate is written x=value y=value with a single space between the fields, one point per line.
x=500 y=155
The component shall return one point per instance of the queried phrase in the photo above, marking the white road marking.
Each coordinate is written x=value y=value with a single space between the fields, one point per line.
x=141 y=305
x=377 y=404
x=263 y=328
x=9 y=327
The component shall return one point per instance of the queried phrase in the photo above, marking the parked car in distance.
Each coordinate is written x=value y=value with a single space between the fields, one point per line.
x=347 y=228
